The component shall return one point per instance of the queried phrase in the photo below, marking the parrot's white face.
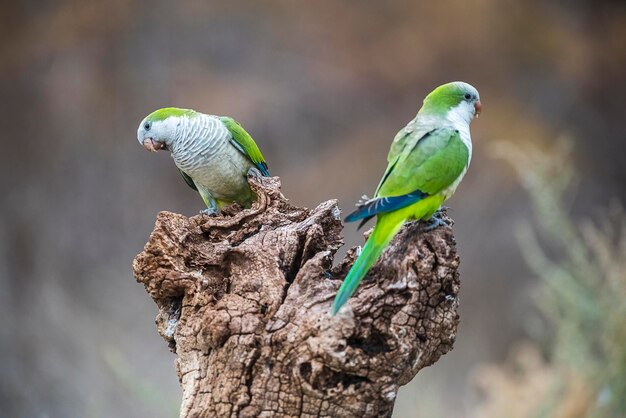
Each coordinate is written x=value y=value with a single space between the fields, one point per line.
x=468 y=108
x=458 y=102
x=155 y=135
x=464 y=112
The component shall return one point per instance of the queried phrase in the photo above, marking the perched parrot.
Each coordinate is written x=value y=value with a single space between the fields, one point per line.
x=427 y=161
x=213 y=153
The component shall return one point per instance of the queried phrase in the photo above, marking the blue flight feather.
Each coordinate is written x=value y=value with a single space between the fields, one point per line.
x=385 y=204
x=263 y=167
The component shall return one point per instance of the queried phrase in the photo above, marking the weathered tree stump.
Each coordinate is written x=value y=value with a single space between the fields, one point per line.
x=244 y=302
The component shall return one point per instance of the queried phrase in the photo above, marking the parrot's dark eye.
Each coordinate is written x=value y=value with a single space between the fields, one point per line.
x=147 y=126
x=468 y=96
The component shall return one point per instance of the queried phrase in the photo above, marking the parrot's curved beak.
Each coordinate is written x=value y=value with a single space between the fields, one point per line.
x=478 y=107
x=151 y=145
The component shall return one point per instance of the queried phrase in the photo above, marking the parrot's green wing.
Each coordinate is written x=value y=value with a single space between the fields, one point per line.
x=425 y=166
x=244 y=143
x=408 y=136
x=188 y=180
x=428 y=165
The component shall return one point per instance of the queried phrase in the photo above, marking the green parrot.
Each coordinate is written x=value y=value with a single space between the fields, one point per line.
x=213 y=153
x=427 y=161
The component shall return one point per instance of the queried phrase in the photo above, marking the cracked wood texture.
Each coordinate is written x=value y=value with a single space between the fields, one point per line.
x=244 y=302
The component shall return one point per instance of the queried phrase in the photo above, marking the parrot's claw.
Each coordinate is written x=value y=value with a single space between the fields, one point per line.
x=254 y=173
x=435 y=221
x=210 y=211
x=440 y=213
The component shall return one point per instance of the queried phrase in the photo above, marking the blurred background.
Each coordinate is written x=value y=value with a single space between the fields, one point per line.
x=322 y=87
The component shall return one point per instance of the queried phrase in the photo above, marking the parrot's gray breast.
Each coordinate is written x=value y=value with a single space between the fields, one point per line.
x=203 y=151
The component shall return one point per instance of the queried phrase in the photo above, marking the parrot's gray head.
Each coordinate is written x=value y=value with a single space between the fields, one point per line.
x=459 y=101
x=159 y=129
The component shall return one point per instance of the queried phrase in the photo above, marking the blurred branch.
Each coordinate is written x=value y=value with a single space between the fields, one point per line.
x=582 y=292
x=244 y=304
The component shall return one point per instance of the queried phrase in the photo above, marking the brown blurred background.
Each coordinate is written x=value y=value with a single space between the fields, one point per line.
x=323 y=87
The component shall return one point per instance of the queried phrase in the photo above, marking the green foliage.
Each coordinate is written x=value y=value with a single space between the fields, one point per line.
x=582 y=267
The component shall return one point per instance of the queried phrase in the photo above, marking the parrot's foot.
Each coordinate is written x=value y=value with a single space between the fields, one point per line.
x=435 y=221
x=254 y=173
x=214 y=211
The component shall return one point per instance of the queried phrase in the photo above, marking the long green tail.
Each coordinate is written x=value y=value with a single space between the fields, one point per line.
x=386 y=227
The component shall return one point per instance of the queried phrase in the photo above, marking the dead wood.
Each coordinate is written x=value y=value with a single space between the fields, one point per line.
x=244 y=303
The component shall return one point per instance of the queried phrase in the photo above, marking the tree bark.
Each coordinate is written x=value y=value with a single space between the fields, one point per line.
x=244 y=302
